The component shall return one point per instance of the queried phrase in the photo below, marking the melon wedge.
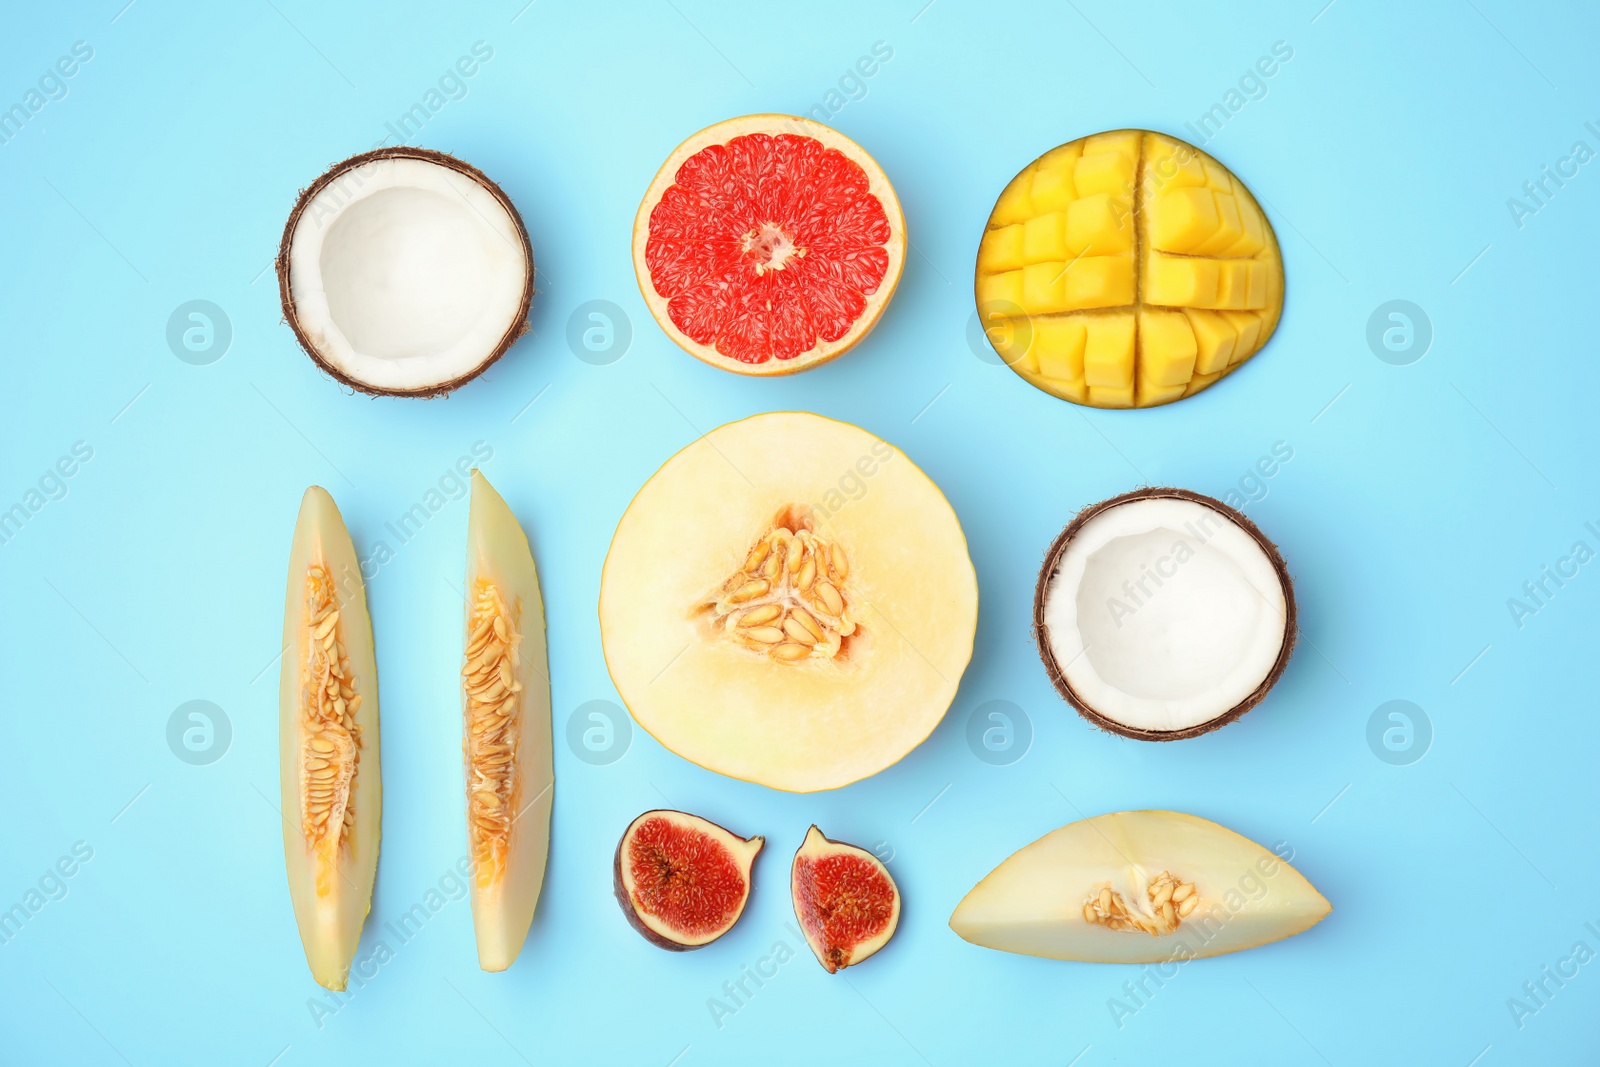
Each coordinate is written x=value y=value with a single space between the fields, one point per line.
x=506 y=743
x=789 y=601
x=328 y=741
x=1138 y=887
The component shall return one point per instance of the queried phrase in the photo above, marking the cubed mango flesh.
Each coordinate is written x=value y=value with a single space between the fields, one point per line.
x=1001 y=250
x=1057 y=345
x=1168 y=346
x=1181 y=220
x=1100 y=282
x=1108 y=350
x=1044 y=238
x=1142 y=269
x=1214 y=340
x=1099 y=225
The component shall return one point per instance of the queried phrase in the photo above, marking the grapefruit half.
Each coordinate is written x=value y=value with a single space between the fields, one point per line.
x=768 y=244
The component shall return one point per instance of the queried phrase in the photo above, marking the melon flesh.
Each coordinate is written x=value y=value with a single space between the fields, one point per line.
x=822 y=722
x=509 y=863
x=330 y=875
x=1035 y=902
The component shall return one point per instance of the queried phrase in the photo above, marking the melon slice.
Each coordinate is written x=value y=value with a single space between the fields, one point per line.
x=328 y=741
x=789 y=600
x=768 y=244
x=1138 y=887
x=506 y=741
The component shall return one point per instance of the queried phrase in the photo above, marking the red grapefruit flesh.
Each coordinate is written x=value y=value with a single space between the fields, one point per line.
x=768 y=244
x=847 y=903
x=682 y=881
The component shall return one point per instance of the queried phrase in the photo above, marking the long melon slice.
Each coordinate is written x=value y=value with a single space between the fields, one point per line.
x=510 y=770
x=328 y=741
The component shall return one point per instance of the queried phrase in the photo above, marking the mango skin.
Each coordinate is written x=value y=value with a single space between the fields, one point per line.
x=1127 y=230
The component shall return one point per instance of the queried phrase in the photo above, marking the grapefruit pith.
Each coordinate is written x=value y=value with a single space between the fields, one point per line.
x=768 y=244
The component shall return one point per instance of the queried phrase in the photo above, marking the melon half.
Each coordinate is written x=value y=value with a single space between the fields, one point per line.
x=789 y=601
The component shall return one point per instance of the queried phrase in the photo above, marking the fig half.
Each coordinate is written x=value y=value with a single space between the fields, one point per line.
x=847 y=903
x=682 y=881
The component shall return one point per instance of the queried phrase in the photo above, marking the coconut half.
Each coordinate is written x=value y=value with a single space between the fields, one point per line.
x=1163 y=614
x=405 y=272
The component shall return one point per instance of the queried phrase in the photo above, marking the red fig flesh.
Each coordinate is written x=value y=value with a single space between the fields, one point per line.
x=682 y=881
x=847 y=903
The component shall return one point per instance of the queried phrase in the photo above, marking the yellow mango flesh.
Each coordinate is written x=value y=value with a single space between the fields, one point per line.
x=1128 y=230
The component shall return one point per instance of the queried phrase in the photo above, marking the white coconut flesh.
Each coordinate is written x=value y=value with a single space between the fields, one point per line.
x=1164 y=614
x=407 y=274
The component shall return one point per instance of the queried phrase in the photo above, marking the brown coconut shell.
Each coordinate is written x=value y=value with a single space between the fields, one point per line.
x=519 y=325
x=1058 y=678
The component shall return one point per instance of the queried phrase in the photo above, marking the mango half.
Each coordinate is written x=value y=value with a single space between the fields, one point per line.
x=328 y=741
x=1127 y=269
x=1138 y=887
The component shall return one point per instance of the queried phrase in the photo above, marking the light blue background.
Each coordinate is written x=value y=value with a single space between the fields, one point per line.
x=1418 y=500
